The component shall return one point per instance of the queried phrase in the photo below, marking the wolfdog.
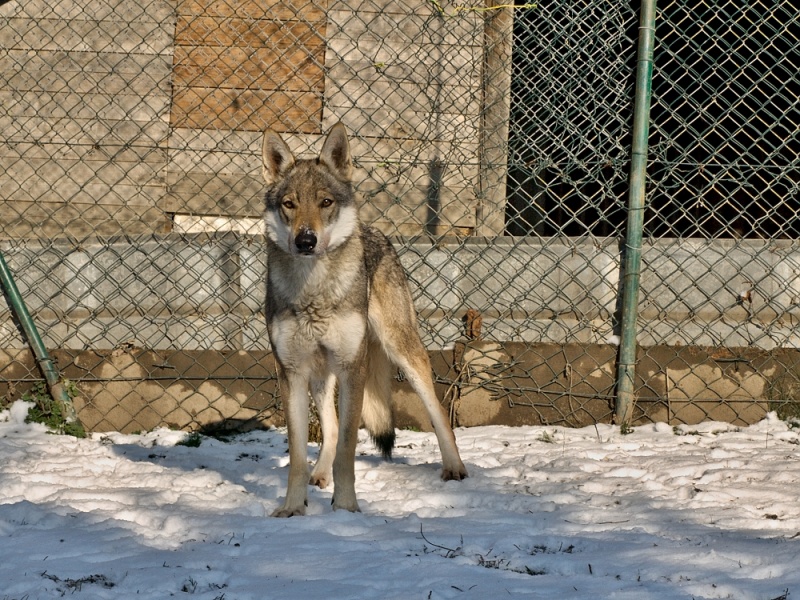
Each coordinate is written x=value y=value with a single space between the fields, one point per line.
x=339 y=316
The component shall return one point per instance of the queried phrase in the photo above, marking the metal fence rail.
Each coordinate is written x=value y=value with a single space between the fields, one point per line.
x=492 y=142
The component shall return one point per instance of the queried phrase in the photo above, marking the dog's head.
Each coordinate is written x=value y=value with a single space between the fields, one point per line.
x=310 y=204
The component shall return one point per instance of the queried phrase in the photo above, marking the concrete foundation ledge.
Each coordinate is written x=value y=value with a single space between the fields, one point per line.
x=132 y=389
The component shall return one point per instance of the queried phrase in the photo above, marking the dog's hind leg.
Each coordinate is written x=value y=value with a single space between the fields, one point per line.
x=296 y=407
x=417 y=368
x=323 y=392
x=393 y=322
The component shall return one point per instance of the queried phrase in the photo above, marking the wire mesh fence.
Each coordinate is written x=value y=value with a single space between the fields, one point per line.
x=492 y=142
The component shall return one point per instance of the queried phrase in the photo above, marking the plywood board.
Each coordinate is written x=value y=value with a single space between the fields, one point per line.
x=296 y=68
x=195 y=30
x=248 y=64
x=281 y=10
x=248 y=110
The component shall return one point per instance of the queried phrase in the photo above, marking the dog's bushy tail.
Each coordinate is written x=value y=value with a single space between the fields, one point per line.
x=377 y=412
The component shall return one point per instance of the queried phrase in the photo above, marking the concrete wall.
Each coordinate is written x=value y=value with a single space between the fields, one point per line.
x=206 y=291
x=132 y=389
x=169 y=329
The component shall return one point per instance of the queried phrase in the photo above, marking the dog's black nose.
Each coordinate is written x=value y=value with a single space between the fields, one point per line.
x=305 y=242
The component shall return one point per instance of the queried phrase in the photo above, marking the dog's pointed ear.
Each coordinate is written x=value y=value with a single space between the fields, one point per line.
x=276 y=158
x=335 y=153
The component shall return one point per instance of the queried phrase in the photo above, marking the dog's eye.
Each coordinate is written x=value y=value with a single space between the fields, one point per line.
x=288 y=204
x=327 y=202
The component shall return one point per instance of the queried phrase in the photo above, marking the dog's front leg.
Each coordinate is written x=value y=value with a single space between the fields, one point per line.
x=297 y=421
x=351 y=399
x=323 y=392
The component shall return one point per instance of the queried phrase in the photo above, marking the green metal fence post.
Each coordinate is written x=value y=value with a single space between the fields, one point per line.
x=633 y=242
x=51 y=375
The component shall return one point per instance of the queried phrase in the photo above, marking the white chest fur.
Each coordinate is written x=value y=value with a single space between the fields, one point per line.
x=318 y=315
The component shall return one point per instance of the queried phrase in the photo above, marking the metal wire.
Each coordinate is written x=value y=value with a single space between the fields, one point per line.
x=491 y=142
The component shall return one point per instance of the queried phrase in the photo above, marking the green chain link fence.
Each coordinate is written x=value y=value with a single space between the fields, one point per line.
x=493 y=142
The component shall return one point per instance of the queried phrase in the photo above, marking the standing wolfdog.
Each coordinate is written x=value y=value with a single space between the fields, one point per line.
x=338 y=311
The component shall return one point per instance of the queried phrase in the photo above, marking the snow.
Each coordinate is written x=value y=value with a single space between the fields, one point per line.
x=708 y=511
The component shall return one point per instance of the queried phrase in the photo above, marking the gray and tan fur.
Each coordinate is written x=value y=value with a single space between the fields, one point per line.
x=339 y=314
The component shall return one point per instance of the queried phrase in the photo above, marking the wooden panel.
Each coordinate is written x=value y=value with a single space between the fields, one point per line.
x=75 y=34
x=248 y=110
x=280 y=10
x=448 y=206
x=48 y=107
x=125 y=11
x=78 y=173
x=406 y=27
x=201 y=193
x=494 y=132
x=214 y=151
x=395 y=73
x=249 y=64
x=217 y=31
x=85 y=93
x=84 y=72
x=57 y=152
x=249 y=68
x=450 y=9
x=51 y=220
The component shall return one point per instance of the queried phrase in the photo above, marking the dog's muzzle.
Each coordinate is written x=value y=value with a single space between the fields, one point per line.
x=305 y=242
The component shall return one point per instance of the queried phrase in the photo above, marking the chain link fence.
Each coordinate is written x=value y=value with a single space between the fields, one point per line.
x=492 y=142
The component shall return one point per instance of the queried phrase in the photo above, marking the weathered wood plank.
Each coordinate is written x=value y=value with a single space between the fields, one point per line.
x=203 y=193
x=85 y=131
x=82 y=173
x=250 y=9
x=447 y=206
x=405 y=96
x=37 y=190
x=249 y=110
x=434 y=173
x=496 y=111
x=80 y=35
x=87 y=36
x=385 y=121
x=85 y=72
x=71 y=105
x=421 y=63
x=126 y=11
x=81 y=220
x=223 y=31
x=249 y=68
x=446 y=10
x=58 y=151
x=215 y=151
x=198 y=224
x=353 y=79
x=381 y=160
x=402 y=28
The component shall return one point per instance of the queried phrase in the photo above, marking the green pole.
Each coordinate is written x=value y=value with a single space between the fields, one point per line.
x=51 y=375
x=626 y=368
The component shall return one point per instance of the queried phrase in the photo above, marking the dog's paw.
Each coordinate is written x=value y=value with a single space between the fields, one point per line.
x=351 y=506
x=454 y=474
x=284 y=512
x=321 y=480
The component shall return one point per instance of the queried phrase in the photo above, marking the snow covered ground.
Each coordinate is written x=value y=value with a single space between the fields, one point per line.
x=710 y=511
